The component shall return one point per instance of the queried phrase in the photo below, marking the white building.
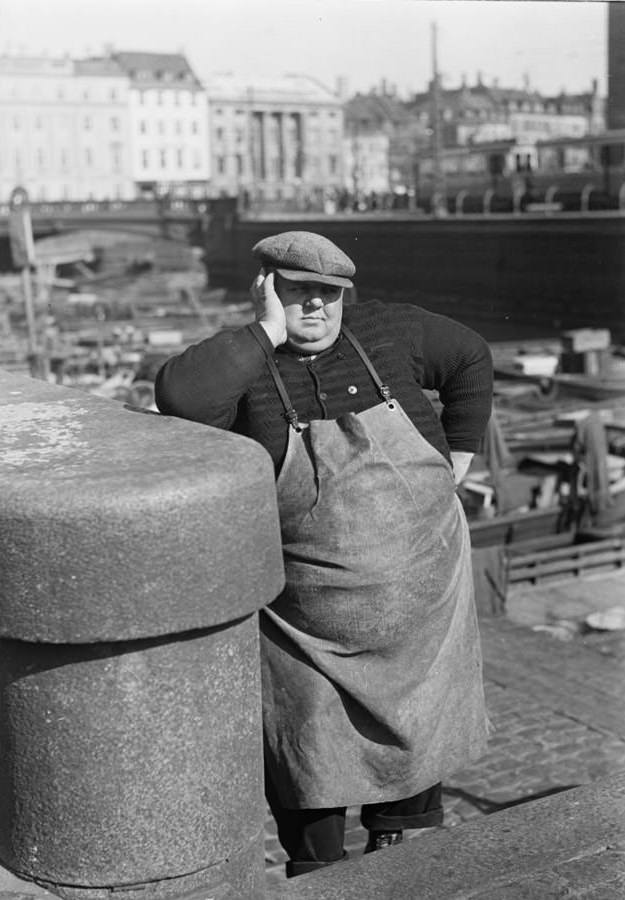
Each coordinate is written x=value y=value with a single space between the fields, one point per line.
x=64 y=129
x=168 y=113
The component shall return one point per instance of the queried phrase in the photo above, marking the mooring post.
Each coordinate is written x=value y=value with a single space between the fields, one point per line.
x=135 y=551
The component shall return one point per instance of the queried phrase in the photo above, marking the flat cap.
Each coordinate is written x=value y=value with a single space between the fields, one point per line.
x=305 y=256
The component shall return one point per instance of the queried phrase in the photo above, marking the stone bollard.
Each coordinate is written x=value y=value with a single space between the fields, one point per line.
x=135 y=550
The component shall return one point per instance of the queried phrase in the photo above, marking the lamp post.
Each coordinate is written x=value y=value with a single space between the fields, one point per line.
x=23 y=253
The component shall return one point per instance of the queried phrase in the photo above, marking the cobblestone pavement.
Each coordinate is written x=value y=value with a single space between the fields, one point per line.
x=558 y=717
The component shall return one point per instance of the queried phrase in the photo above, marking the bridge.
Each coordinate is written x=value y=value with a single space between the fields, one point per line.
x=176 y=219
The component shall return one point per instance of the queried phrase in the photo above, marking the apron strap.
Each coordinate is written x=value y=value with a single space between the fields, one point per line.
x=383 y=389
x=289 y=410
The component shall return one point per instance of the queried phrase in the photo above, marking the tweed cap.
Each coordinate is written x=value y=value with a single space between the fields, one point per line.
x=305 y=256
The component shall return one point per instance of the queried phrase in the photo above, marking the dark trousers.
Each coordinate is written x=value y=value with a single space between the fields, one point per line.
x=312 y=837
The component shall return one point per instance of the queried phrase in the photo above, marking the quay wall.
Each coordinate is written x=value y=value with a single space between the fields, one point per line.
x=508 y=276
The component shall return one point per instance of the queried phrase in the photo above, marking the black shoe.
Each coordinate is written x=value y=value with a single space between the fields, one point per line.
x=378 y=840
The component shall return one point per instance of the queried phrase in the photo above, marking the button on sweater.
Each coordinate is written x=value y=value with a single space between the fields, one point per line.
x=224 y=380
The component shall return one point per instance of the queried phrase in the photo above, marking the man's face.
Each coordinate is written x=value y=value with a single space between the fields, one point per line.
x=313 y=313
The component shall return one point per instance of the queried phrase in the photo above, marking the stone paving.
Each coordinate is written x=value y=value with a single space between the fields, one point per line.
x=558 y=714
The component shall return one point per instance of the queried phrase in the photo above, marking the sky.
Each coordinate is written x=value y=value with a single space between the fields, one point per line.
x=556 y=45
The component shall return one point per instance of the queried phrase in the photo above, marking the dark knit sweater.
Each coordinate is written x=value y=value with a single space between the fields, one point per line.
x=224 y=380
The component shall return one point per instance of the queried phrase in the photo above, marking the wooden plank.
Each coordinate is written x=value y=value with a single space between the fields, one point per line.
x=541 y=570
x=572 y=551
x=537 y=545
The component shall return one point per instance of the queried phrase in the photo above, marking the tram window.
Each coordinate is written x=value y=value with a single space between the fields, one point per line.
x=496 y=163
x=612 y=154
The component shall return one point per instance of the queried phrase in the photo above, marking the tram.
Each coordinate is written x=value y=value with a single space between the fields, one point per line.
x=570 y=174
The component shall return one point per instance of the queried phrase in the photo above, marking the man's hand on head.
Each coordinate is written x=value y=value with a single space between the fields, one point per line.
x=268 y=307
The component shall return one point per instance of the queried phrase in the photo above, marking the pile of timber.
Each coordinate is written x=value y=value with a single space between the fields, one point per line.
x=569 y=561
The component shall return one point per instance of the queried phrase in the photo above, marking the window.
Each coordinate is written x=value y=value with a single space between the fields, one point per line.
x=143 y=126
x=194 y=128
x=163 y=157
x=113 y=94
x=239 y=164
x=87 y=123
x=161 y=127
x=88 y=157
x=114 y=123
x=219 y=134
x=145 y=159
x=221 y=165
x=333 y=164
x=180 y=157
x=41 y=160
x=178 y=126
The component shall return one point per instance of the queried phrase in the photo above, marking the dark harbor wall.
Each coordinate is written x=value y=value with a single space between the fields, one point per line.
x=508 y=276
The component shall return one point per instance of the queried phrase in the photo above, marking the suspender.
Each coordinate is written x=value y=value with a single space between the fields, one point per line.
x=289 y=410
x=383 y=389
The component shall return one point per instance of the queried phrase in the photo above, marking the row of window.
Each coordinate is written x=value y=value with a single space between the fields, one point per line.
x=41 y=92
x=19 y=123
x=44 y=161
x=164 y=98
x=161 y=127
x=165 y=159
x=274 y=167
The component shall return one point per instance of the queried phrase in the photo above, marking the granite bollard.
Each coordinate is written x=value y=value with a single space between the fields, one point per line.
x=135 y=551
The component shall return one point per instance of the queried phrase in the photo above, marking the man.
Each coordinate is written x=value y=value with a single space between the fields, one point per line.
x=371 y=665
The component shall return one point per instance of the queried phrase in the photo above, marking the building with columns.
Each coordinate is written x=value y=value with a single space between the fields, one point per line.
x=274 y=140
x=64 y=129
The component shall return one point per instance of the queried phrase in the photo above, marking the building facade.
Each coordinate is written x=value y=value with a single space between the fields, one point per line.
x=275 y=140
x=64 y=129
x=168 y=119
x=382 y=139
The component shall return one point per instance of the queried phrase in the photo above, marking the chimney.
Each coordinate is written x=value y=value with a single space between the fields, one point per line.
x=341 y=87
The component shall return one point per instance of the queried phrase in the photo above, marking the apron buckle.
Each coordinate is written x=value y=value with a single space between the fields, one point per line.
x=386 y=394
x=291 y=416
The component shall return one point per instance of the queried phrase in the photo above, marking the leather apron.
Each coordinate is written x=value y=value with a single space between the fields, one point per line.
x=371 y=661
